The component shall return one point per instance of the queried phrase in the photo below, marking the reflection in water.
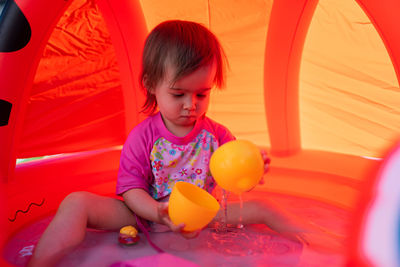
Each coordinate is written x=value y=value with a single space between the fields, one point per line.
x=245 y=242
x=254 y=245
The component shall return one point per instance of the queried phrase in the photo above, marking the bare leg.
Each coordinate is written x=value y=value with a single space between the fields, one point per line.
x=78 y=211
x=264 y=212
x=288 y=225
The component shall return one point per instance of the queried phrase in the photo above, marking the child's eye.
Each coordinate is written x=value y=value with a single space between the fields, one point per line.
x=177 y=95
x=201 y=95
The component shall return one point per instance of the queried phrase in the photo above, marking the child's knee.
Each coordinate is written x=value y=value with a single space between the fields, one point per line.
x=79 y=199
x=261 y=210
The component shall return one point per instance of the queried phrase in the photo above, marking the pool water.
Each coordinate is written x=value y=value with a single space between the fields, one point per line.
x=254 y=245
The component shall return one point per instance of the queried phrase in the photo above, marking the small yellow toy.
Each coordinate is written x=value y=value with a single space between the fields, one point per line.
x=237 y=166
x=128 y=235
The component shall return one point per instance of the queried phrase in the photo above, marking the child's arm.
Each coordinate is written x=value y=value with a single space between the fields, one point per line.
x=143 y=205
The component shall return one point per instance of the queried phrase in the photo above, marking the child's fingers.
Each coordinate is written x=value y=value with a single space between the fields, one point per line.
x=185 y=234
x=264 y=155
x=164 y=216
x=190 y=235
x=165 y=219
x=163 y=213
x=266 y=159
x=176 y=228
x=179 y=229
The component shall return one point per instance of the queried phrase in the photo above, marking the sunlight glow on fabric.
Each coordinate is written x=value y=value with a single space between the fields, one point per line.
x=315 y=83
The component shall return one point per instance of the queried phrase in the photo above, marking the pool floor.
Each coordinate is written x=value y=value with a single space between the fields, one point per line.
x=255 y=245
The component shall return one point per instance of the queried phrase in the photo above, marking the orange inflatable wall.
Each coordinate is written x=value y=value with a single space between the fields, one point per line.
x=315 y=82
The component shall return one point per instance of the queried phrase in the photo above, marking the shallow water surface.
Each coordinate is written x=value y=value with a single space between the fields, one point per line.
x=254 y=245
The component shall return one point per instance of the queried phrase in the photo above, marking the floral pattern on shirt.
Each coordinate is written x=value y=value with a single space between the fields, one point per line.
x=172 y=163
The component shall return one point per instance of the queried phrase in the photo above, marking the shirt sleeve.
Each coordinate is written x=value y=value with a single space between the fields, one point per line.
x=224 y=135
x=134 y=169
x=221 y=132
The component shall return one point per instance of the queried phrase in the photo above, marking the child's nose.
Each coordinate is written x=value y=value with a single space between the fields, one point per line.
x=190 y=103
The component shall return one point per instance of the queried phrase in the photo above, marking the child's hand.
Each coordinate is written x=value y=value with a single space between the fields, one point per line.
x=267 y=161
x=164 y=218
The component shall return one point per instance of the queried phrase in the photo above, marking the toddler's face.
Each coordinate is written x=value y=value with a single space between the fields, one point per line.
x=183 y=102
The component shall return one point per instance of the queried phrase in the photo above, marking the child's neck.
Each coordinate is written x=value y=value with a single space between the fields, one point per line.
x=178 y=131
x=181 y=131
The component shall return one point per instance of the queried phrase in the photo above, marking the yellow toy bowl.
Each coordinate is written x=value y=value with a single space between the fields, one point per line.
x=237 y=166
x=191 y=205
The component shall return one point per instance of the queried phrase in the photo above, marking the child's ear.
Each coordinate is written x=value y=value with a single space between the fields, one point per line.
x=150 y=90
x=146 y=84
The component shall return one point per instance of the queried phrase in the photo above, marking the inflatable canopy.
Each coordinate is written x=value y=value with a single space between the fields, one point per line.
x=315 y=82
